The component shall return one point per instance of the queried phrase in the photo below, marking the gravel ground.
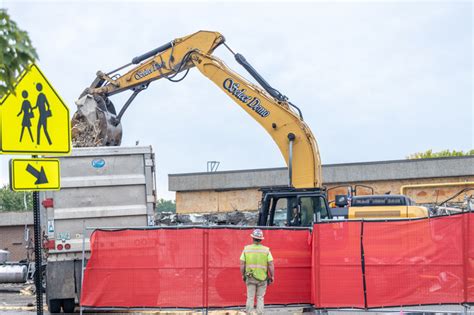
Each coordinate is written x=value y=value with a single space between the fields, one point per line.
x=17 y=297
x=20 y=299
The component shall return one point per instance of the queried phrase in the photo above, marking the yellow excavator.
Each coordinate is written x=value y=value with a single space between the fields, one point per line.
x=300 y=203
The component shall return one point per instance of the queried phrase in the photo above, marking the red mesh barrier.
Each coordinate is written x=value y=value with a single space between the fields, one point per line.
x=426 y=261
x=291 y=250
x=417 y=262
x=337 y=271
x=144 y=268
x=190 y=268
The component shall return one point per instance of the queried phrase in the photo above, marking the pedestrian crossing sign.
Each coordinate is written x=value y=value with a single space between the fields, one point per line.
x=34 y=120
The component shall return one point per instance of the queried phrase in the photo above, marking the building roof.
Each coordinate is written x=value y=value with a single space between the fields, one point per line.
x=332 y=174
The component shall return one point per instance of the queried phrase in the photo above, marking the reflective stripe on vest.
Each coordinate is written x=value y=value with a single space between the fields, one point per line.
x=258 y=266
x=256 y=251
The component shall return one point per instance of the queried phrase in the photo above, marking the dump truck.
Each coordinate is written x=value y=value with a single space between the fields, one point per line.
x=100 y=187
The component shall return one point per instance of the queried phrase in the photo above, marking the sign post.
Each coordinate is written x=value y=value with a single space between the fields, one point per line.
x=38 y=253
x=35 y=120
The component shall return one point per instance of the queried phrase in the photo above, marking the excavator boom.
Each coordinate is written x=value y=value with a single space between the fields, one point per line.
x=271 y=109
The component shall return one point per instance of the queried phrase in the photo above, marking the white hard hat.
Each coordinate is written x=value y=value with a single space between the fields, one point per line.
x=257 y=234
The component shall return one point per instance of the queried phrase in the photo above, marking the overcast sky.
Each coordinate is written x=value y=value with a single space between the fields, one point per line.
x=375 y=81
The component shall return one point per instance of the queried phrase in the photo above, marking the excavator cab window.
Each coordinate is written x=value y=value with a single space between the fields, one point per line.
x=282 y=211
x=293 y=209
x=312 y=209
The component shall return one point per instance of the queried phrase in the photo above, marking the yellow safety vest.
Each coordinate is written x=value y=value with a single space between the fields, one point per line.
x=256 y=258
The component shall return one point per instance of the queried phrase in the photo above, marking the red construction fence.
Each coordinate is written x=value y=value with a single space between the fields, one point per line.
x=340 y=264
x=189 y=268
x=427 y=261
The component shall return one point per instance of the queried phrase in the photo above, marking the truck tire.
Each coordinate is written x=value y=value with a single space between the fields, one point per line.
x=54 y=306
x=68 y=305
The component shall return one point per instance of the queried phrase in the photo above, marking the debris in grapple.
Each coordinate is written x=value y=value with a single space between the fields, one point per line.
x=92 y=124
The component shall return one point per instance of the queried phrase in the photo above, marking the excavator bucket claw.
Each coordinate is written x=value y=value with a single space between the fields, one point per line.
x=94 y=124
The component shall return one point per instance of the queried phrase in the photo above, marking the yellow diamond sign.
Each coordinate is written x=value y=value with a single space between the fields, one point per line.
x=35 y=120
x=34 y=174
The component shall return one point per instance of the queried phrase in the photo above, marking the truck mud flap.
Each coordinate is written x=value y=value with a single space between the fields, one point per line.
x=60 y=280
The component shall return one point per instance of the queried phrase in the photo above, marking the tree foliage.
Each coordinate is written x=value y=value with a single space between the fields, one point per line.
x=16 y=52
x=15 y=201
x=166 y=205
x=429 y=154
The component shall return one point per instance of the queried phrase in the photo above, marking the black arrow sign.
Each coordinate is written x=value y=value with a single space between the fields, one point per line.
x=40 y=175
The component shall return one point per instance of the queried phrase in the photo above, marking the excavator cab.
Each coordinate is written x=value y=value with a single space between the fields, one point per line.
x=293 y=207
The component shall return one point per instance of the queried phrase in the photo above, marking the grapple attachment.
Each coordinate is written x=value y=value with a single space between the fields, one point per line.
x=95 y=124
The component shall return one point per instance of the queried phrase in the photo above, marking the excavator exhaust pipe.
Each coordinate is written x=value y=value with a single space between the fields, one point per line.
x=95 y=123
x=291 y=140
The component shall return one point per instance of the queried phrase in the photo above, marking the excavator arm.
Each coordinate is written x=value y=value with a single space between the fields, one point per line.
x=271 y=109
x=168 y=60
x=96 y=122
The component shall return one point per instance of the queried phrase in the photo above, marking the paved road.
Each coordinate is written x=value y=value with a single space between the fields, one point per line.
x=20 y=300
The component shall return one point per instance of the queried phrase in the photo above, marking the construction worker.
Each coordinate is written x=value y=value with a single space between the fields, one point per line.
x=256 y=266
x=295 y=217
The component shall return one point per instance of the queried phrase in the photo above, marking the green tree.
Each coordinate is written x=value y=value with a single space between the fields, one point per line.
x=16 y=52
x=429 y=154
x=15 y=201
x=166 y=205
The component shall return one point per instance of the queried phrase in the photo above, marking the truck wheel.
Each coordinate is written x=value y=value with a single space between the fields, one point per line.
x=68 y=305
x=54 y=306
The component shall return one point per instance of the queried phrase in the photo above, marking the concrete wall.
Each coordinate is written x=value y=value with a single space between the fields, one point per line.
x=12 y=227
x=217 y=201
x=238 y=190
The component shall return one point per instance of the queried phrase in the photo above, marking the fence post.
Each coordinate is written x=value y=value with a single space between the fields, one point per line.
x=362 y=263
x=82 y=262
x=465 y=242
x=318 y=267
x=205 y=266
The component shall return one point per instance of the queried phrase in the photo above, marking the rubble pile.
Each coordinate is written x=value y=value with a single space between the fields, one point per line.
x=83 y=133
x=239 y=218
